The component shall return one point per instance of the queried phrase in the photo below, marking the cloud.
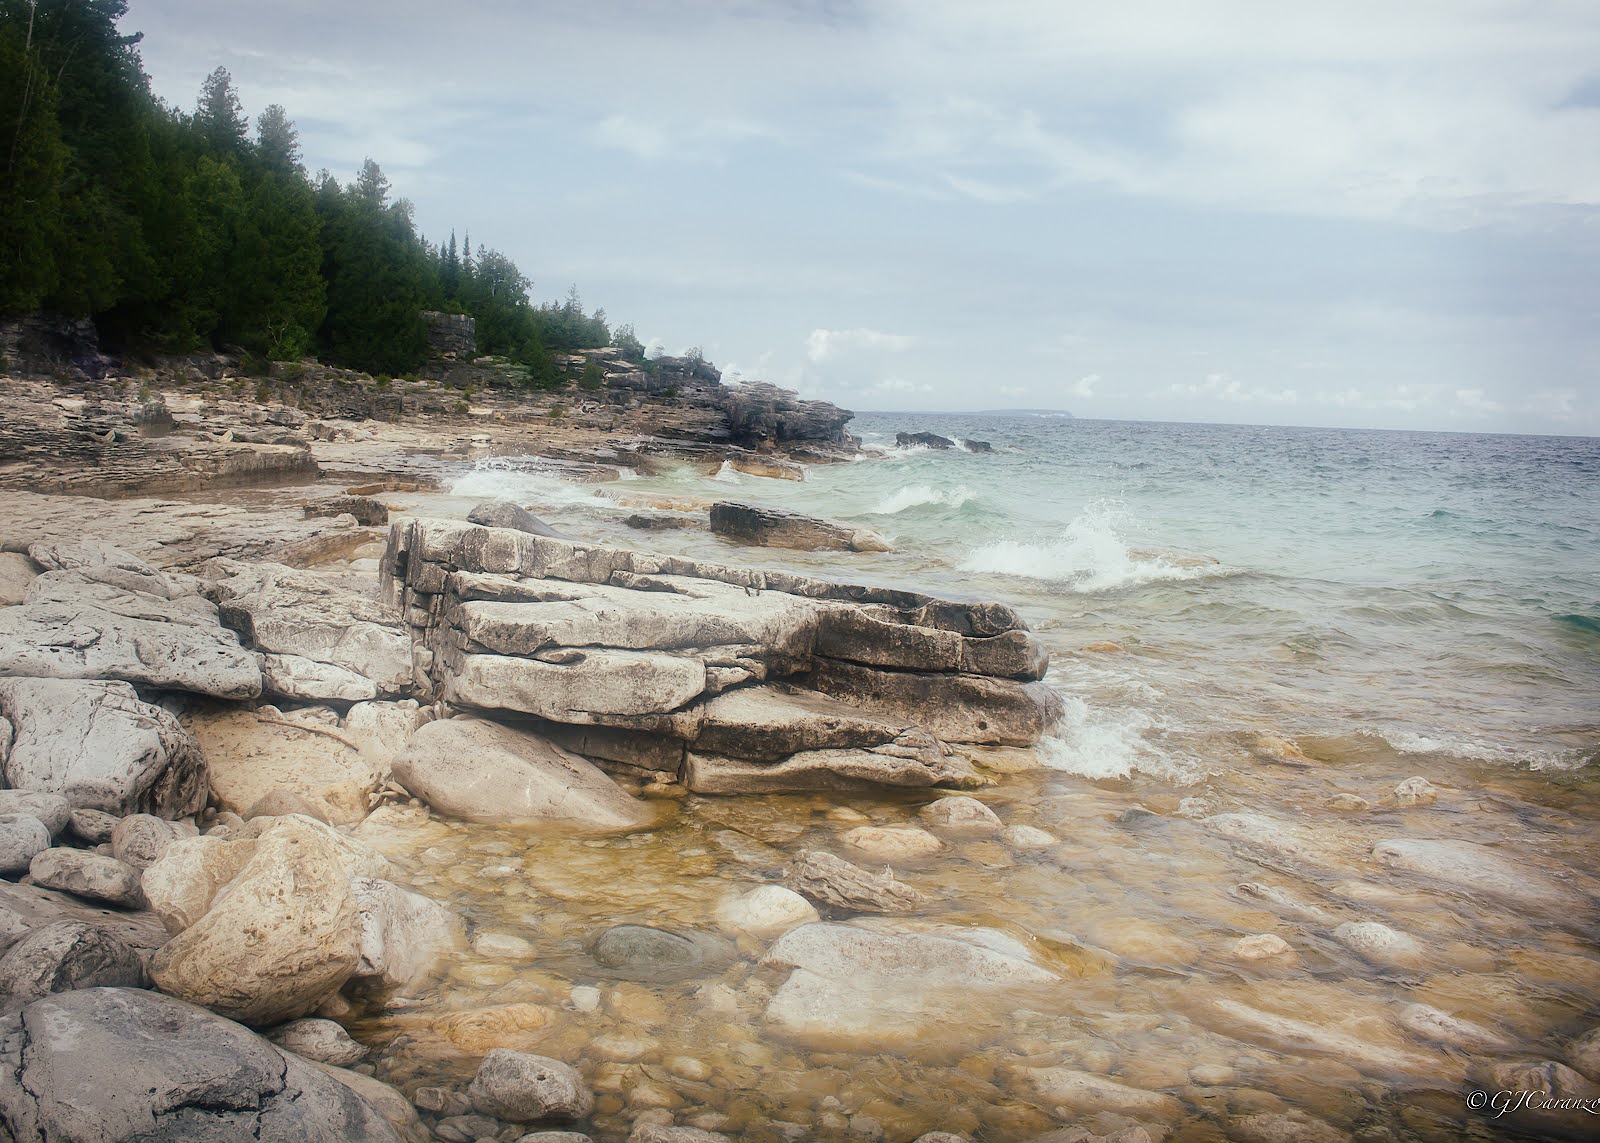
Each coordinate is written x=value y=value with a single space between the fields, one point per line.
x=822 y=344
x=1474 y=401
x=1554 y=405
x=1224 y=387
x=901 y=385
x=625 y=134
x=1084 y=386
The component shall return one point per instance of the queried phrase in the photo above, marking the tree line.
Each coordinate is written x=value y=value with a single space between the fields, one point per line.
x=180 y=231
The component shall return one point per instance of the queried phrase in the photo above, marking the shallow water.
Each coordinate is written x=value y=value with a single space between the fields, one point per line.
x=1266 y=621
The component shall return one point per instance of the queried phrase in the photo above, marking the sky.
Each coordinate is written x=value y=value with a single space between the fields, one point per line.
x=1363 y=213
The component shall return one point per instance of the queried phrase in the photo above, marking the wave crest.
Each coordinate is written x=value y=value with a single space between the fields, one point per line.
x=917 y=495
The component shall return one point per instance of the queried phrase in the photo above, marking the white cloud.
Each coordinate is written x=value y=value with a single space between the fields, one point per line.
x=901 y=385
x=633 y=136
x=1084 y=386
x=1474 y=401
x=1555 y=405
x=1225 y=387
x=821 y=344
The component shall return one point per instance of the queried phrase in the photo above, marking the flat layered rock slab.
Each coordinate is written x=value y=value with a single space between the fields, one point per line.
x=80 y=641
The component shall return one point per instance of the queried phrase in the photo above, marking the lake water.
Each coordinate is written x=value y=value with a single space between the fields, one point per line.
x=1280 y=623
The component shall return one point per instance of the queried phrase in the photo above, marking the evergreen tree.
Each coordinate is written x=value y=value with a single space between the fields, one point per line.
x=220 y=118
x=278 y=143
x=35 y=160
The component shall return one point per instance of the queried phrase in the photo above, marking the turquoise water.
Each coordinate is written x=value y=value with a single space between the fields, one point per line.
x=1428 y=594
x=1277 y=628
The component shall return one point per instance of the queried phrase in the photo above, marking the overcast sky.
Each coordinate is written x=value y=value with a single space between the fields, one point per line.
x=1362 y=212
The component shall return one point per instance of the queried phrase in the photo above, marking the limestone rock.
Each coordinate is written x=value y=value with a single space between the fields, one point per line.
x=911 y=766
x=319 y=1040
x=285 y=935
x=1429 y=1023
x=64 y=956
x=954 y=707
x=255 y=752
x=141 y=839
x=765 y=911
x=523 y=1088
x=1416 y=791
x=296 y=677
x=850 y=987
x=282 y=611
x=87 y=1062
x=405 y=937
x=1473 y=868
x=834 y=881
x=92 y=826
x=65 y=641
x=95 y=744
x=85 y=589
x=509 y=514
x=960 y=815
x=891 y=843
x=1377 y=943
x=367 y=511
x=88 y=875
x=642 y=952
x=182 y=883
x=1027 y=837
x=485 y=771
x=22 y=838
x=107 y=563
x=17 y=571
x=24 y=908
x=1086 y=1092
x=781 y=528
x=52 y=810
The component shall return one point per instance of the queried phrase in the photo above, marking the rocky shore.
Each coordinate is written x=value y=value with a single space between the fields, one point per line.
x=323 y=817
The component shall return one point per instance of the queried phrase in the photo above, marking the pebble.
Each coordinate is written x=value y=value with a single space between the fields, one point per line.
x=441 y=1101
x=892 y=843
x=1028 y=837
x=502 y=946
x=1262 y=946
x=585 y=998
x=1416 y=791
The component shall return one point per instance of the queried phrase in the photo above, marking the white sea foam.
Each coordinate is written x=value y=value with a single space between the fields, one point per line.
x=1096 y=742
x=1477 y=749
x=1090 y=556
x=502 y=478
x=916 y=495
x=727 y=474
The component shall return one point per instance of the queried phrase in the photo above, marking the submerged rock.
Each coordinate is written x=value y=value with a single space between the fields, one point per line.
x=524 y=1088
x=641 y=952
x=832 y=880
x=1474 y=868
x=765 y=911
x=780 y=528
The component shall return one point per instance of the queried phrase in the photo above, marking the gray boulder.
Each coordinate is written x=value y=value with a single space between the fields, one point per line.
x=22 y=838
x=524 y=1088
x=64 y=956
x=508 y=514
x=485 y=771
x=141 y=839
x=923 y=440
x=92 y=876
x=780 y=528
x=116 y=1065
x=99 y=747
x=24 y=908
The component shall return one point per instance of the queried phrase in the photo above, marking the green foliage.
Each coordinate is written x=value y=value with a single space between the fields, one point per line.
x=179 y=231
x=624 y=339
x=593 y=377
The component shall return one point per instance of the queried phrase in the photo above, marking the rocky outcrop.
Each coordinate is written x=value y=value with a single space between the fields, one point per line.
x=923 y=440
x=117 y=1064
x=322 y=641
x=760 y=413
x=779 y=528
x=764 y=681
x=95 y=744
x=451 y=337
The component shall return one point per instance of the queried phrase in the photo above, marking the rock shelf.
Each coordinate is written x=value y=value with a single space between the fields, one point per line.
x=761 y=681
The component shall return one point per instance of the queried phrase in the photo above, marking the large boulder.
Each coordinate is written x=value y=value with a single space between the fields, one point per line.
x=780 y=528
x=117 y=1065
x=486 y=771
x=406 y=938
x=256 y=752
x=282 y=935
x=92 y=876
x=295 y=614
x=22 y=838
